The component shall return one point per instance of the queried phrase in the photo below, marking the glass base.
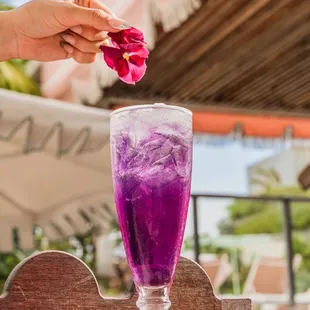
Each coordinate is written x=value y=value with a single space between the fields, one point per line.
x=151 y=298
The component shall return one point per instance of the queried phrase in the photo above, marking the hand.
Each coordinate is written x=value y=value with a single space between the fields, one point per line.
x=46 y=30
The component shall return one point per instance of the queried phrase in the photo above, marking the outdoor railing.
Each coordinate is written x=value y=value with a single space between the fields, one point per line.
x=286 y=207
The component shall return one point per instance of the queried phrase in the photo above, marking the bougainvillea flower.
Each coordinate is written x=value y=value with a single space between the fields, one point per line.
x=128 y=55
x=128 y=60
x=131 y=35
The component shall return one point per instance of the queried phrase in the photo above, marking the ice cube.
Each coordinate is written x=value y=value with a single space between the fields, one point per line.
x=161 y=153
x=153 y=157
x=140 y=160
x=152 y=145
x=174 y=139
x=166 y=162
x=180 y=157
x=158 y=176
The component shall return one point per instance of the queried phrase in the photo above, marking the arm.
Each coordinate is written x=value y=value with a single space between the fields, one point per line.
x=8 y=47
x=47 y=30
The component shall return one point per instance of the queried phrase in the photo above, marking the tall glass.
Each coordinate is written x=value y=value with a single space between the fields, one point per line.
x=151 y=149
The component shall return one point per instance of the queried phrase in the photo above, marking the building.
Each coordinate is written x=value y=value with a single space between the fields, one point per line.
x=287 y=164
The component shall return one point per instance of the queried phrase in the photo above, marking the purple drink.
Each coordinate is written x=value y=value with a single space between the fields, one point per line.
x=152 y=162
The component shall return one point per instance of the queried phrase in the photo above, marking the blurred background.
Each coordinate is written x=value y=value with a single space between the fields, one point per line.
x=242 y=67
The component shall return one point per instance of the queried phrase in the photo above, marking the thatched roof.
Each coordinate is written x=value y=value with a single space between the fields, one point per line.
x=246 y=56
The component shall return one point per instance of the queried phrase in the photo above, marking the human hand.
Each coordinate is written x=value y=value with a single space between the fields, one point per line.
x=46 y=30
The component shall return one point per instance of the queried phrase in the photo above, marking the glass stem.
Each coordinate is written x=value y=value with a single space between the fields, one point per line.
x=153 y=298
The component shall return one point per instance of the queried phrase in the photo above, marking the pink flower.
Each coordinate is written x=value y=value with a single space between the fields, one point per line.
x=128 y=60
x=128 y=56
x=131 y=35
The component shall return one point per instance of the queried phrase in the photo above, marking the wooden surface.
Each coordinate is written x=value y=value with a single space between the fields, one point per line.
x=58 y=281
x=304 y=178
x=241 y=54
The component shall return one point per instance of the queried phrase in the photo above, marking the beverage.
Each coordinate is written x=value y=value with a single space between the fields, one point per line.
x=152 y=162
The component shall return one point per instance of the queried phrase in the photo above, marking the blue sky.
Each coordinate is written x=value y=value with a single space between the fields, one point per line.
x=15 y=3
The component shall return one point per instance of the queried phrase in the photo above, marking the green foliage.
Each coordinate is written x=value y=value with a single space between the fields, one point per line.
x=12 y=78
x=226 y=227
x=266 y=178
x=19 y=63
x=8 y=262
x=206 y=245
x=268 y=221
x=5 y=7
x=258 y=217
x=243 y=272
x=80 y=246
x=261 y=217
x=301 y=246
x=302 y=281
x=12 y=73
x=243 y=208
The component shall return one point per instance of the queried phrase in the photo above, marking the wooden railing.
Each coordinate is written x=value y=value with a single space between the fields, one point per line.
x=286 y=202
x=55 y=280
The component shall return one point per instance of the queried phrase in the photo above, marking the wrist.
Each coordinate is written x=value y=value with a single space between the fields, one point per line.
x=8 y=42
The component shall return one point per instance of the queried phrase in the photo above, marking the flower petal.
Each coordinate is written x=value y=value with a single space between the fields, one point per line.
x=135 y=74
x=111 y=52
x=131 y=35
x=128 y=55
x=135 y=49
x=114 y=59
x=142 y=52
x=136 y=35
x=136 y=60
x=122 y=68
x=110 y=55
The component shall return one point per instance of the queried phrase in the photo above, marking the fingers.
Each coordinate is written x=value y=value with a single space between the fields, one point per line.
x=80 y=57
x=50 y=49
x=95 y=18
x=67 y=49
x=90 y=21
x=94 y=4
x=82 y=44
x=81 y=49
x=89 y=33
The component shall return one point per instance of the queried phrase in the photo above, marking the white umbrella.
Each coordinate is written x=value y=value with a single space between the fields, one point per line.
x=55 y=168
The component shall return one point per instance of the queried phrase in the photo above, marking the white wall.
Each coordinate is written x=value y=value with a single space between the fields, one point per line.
x=288 y=165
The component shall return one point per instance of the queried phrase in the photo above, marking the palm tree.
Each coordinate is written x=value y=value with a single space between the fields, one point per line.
x=266 y=178
x=12 y=74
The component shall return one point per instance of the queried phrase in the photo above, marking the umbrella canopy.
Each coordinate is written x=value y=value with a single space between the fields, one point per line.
x=55 y=169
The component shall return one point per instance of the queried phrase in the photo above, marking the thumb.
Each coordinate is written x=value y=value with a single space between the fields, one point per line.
x=97 y=19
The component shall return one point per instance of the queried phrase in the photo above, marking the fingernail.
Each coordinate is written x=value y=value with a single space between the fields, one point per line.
x=118 y=23
x=68 y=48
x=103 y=43
x=77 y=29
x=68 y=38
x=101 y=36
